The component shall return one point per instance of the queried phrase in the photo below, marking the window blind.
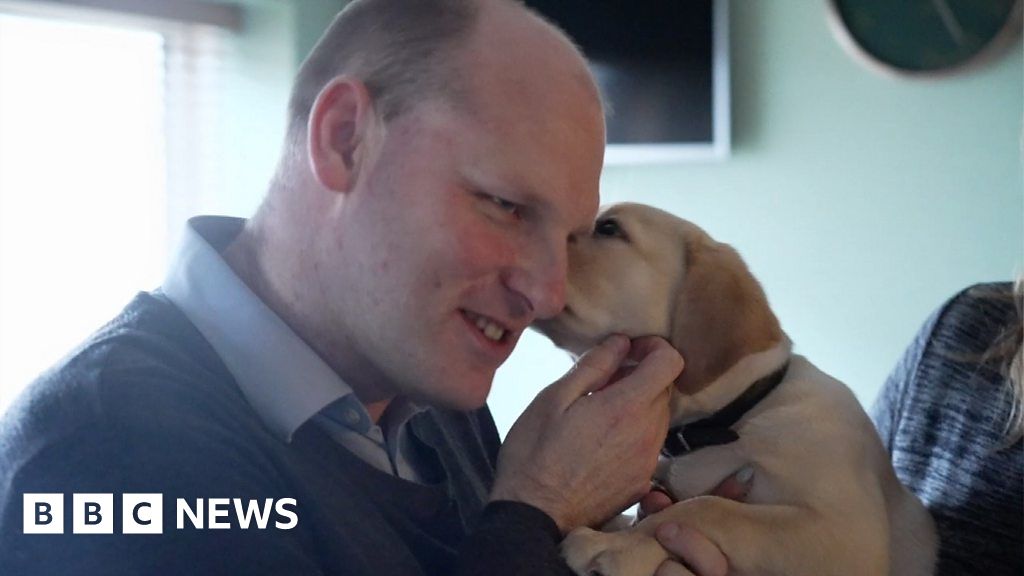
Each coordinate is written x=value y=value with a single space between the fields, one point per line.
x=109 y=137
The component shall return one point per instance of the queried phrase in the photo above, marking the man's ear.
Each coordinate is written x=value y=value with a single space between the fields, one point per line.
x=340 y=122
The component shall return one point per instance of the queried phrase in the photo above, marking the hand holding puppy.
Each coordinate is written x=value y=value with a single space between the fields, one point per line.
x=586 y=447
x=689 y=546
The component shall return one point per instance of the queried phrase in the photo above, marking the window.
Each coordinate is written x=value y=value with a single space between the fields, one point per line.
x=95 y=114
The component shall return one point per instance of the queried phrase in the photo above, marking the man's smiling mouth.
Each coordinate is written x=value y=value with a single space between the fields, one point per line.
x=489 y=328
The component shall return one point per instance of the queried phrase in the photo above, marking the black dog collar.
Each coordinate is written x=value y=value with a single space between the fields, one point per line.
x=716 y=430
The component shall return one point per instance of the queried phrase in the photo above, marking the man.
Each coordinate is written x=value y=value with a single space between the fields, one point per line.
x=334 y=353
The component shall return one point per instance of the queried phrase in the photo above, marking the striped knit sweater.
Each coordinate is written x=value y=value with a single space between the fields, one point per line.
x=942 y=414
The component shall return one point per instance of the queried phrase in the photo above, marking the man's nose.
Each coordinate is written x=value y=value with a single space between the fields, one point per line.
x=541 y=280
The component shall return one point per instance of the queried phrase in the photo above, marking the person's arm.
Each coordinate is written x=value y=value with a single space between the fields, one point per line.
x=511 y=539
x=887 y=409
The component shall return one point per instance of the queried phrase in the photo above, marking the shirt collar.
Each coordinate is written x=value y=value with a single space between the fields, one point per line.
x=283 y=379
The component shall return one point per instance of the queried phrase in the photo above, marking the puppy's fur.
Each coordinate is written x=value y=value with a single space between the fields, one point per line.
x=825 y=498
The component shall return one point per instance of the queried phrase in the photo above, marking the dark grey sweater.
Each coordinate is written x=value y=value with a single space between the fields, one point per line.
x=146 y=406
x=942 y=415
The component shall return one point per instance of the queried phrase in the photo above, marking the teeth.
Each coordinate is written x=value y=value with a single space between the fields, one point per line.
x=491 y=330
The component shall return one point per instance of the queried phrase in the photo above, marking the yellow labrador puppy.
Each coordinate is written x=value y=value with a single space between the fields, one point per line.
x=825 y=500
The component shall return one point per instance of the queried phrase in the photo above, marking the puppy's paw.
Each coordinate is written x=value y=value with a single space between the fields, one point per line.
x=626 y=553
x=580 y=547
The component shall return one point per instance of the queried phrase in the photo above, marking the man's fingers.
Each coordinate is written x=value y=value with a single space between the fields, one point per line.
x=653 y=502
x=642 y=346
x=593 y=370
x=625 y=370
x=652 y=377
x=639 y=349
x=692 y=548
x=737 y=486
x=673 y=568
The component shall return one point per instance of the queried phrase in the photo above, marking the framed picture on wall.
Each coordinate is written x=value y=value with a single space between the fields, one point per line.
x=663 y=70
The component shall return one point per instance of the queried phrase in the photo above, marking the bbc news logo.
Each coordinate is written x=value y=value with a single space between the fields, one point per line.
x=143 y=513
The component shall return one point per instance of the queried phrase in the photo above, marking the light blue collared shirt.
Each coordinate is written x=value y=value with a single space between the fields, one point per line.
x=284 y=380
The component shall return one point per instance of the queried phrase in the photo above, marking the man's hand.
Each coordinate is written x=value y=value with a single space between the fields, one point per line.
x=735 y=487
x=688 y=545
x=586 y=447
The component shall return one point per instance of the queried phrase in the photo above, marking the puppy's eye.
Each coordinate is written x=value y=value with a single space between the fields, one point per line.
x=609 y=228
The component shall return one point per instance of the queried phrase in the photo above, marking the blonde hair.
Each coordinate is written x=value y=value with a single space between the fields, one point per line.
x=1013 y=365
x=1015 y=427
x=1004 y=355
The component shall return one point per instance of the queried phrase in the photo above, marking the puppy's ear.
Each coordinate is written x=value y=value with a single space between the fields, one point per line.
x=721 y=314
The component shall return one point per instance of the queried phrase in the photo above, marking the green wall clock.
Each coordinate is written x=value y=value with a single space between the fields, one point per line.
x=925 y=37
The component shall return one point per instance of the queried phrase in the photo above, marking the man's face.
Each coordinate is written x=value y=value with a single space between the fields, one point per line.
x=456 y=239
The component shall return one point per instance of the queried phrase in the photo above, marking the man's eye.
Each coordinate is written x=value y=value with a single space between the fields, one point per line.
x=505 y=204
x=502 y=204
x=608 y=228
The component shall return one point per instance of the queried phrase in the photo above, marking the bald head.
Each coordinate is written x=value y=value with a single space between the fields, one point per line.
x=407 y=51
x=525 y=64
